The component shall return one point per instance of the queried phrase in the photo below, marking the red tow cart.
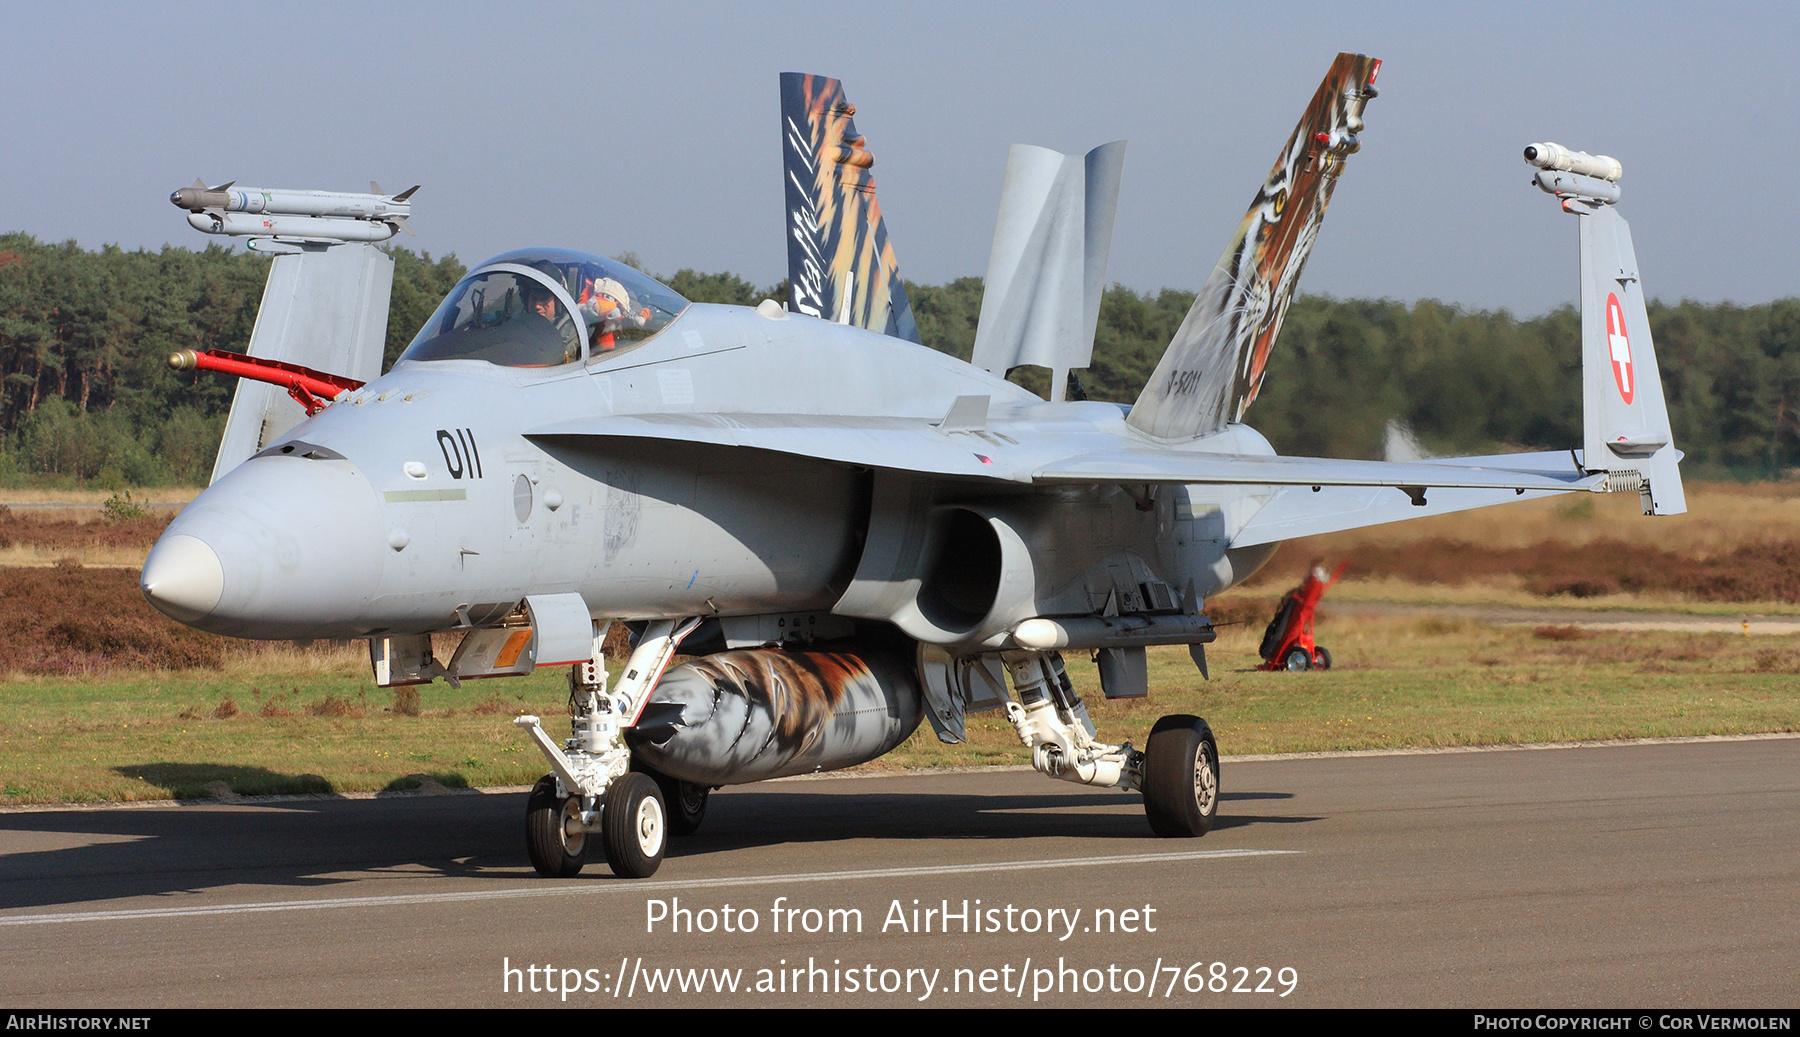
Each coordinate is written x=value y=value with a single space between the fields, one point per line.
x=1288 y=642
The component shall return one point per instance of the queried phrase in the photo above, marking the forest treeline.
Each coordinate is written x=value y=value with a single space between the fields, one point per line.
x=87 y=396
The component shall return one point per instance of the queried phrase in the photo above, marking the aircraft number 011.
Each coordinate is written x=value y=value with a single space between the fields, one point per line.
x=461 y=458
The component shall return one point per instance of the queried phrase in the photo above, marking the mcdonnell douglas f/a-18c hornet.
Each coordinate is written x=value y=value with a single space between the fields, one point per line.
x=844 y=530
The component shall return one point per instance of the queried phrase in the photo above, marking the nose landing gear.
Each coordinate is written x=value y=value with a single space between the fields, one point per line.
x=594 y=791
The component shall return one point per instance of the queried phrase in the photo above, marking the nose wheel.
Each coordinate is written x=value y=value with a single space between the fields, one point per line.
x=555 y=838
x=633 y=829
x=635 y=826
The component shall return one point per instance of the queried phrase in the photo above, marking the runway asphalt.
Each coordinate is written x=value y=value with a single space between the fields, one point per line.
x=1641 y=875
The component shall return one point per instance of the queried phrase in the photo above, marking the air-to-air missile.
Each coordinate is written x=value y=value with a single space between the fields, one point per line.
x=1581 y=180
x=305 y=215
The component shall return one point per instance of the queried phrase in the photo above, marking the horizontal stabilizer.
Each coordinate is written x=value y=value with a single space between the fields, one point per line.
x=1047 y=269
x=1298 y=511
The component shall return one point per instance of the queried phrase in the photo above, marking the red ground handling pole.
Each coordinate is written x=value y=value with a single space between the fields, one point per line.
x=1288 y=642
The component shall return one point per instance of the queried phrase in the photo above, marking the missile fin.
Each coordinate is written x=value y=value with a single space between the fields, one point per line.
x=199 y=184
x=222 y=187
x=375 y=188
x=400 y=221
x=404 y=195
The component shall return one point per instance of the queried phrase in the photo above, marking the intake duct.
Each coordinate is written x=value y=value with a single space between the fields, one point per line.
x=945 y=574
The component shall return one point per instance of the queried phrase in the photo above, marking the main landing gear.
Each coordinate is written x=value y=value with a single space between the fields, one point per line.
x=1178 y=771
x=593 y=791
x=1181 y=777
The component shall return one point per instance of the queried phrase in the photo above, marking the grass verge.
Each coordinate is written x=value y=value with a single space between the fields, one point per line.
x=310 y=720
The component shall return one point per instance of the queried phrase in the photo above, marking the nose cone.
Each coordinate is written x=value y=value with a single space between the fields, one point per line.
x=282 y=547
x=183 y=577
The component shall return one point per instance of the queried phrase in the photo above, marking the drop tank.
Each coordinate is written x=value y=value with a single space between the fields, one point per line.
x=742 y=716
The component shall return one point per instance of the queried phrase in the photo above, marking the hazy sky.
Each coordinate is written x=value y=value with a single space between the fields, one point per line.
x=652 y=127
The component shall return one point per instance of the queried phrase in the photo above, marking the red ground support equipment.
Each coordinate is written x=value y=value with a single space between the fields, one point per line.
x=1288 y=642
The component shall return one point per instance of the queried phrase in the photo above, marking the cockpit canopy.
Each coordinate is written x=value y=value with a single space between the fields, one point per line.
x=544 y=307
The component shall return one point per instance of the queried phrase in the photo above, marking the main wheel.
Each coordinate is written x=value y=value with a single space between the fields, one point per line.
x=686 y=801
x=1181 y=777
x=1322 y=660
x=634 y=826
x=554 y=836
x=1297 y=660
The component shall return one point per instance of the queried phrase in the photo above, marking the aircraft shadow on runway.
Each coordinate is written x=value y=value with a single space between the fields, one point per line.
x=209 y=780
x=177 y=851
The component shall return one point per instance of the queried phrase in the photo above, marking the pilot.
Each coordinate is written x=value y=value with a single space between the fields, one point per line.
x=542 y=301
x=607 y=306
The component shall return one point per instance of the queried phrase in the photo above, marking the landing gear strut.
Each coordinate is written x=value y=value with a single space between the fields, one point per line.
x=1178 y=771
x=593 y=790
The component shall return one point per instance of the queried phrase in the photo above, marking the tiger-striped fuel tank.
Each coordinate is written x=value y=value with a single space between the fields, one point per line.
x=743 y=716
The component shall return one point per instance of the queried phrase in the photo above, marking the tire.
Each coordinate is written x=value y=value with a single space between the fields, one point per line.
x=1297 y=661
x=634 y=826
x=1323 y=660
x=554 y=851
x=1181 y=777
x=686 y=801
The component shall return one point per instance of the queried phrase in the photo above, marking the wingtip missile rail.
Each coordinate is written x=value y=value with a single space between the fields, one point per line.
x=321 y=216
x=1583 y=181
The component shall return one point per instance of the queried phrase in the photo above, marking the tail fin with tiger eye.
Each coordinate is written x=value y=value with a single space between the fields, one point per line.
x=841 y=266
x=1213 y=368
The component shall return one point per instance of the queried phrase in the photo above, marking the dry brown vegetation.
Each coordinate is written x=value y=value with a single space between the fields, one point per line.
x=1738 y=543
x=67 y=619
x=59 y=532
x=1767 y=571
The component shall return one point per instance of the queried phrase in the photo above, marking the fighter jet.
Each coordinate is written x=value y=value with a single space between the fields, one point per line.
x=846 y=532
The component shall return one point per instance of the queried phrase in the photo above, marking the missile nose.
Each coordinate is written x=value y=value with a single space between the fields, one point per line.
x=183 y=578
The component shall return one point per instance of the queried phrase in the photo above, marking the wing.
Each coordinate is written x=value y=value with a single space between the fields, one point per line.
x=1213 y=368
x=841 y=266
x=1025 y=456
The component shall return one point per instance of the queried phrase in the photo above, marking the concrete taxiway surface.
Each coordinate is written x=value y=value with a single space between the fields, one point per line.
x=1628 y=875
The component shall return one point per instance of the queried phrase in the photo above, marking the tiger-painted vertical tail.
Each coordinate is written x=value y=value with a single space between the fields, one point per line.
x=1213 y=367
x=841 y=266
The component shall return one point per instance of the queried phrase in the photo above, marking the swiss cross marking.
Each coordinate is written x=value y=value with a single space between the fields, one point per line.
x=1619 y=345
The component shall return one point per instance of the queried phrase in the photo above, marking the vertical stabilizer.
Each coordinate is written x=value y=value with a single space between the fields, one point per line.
x=841 y=266
x=1625 y=419
x=325 y=308
x=1047 y=269
x=1213 y=368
